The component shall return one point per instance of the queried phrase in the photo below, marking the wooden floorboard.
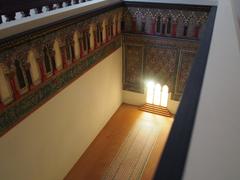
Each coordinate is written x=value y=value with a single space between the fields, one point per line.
x=98 y=157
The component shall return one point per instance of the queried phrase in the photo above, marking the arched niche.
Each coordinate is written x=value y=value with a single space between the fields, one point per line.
x=91 y=34
x=158 y=24
x=140 y=26
x=104 y=28
x=110 y=28
x=21 y=80
x=6 y=94
x=84 y=41
x=47 y=61
x=148 y=25
x=169 y=25
x=185 y=29
x=180 y=26
x=58 y=57
x=99 y=34
x=69 y=48
x=174 y=26
x=192 y=27
x=119 y=23
x=115 y=21
x=34 y=67
x=76 y=37
x=115 y=24
x=164 y=25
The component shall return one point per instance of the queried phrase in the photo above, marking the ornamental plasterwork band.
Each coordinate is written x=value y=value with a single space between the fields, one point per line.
x=33 y=72
x=34 y=67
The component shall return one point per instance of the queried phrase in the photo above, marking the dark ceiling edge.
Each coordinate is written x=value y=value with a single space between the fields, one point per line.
x=173 y=160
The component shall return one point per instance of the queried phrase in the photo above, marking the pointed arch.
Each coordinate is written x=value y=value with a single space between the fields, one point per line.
x=99 y=34
x=159 y=20
x=20 y=77
x=34 y=67
x=58 y=57
x=47 y=61
x=91 y=36
x=110 y=28
x=69 y=49
x=163 y=26
x=169 y=25
x=104 y=34
x=115 y=25
x=156 y=94
x=77 y=51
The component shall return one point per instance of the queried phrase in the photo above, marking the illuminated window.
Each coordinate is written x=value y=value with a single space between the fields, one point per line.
x=157 y=95
x=164 y=98
x=150 y=92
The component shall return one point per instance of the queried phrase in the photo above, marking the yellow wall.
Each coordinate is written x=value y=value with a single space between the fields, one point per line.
x=48 y=143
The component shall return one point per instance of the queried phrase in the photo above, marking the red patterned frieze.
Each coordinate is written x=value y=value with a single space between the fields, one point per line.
x=164 y=22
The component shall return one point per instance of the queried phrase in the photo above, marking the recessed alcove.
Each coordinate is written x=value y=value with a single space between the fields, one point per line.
x=70 y=81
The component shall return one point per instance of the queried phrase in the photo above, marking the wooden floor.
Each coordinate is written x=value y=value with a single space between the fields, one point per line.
x=98 y=157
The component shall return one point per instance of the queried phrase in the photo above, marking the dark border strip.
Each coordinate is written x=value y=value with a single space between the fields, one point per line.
x=172 y=163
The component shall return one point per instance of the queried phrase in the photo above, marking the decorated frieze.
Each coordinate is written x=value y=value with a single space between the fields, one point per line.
x=165 y=60
x=33 y=70
x=28 y=103
x=164 y=22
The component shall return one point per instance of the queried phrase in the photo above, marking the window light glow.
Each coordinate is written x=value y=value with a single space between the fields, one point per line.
x=150 y=92
x=157 y=95
x=164 y=98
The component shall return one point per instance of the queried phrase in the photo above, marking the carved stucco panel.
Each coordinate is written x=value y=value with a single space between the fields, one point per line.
x=160 y=65
x=133 y=67
x=166 y=60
